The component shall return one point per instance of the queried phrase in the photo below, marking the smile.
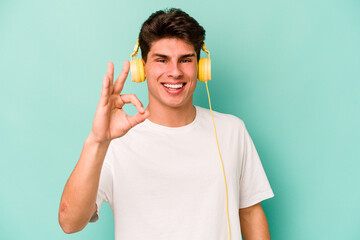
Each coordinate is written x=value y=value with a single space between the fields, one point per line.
x=173 y=86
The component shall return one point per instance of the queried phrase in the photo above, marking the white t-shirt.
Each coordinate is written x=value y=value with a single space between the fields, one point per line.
x=166 y=183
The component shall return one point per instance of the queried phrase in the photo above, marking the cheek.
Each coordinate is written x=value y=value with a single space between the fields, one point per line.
x=195 y=71
x=192 y=73
x=155 y=72
x=194 y=85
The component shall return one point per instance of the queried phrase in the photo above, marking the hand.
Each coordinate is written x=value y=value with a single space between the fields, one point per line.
x=110 y=119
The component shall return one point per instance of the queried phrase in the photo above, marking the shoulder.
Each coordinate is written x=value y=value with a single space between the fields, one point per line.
x=222 y=119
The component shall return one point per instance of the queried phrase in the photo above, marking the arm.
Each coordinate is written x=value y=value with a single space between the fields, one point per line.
x=254 y=225
x=78 y=202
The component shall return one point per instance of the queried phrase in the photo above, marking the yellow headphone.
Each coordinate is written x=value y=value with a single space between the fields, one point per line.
x=138 y=72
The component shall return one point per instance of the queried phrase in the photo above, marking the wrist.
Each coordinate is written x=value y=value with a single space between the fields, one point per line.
x=91 y=140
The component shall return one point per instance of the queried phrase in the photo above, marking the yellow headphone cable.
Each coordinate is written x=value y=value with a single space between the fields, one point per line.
x=222 y=164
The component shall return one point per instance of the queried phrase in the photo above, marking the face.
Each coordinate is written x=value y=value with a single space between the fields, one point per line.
x=171 y=72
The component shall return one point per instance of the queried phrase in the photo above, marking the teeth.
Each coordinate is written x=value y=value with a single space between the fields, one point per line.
x=174 y=85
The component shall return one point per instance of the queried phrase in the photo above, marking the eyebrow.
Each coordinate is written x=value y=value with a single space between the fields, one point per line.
x=188 y=55
x=159 y=55
x=165 y=56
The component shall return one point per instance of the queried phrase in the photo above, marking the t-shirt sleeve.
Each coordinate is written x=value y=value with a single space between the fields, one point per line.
x=105 y=189
x=254 y=185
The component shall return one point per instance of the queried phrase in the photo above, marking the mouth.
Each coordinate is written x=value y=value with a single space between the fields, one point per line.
x=174 y=88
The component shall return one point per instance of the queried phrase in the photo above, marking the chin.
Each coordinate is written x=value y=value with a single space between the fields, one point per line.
x=177 y=104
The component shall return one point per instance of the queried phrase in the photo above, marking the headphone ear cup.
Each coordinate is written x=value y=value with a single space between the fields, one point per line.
x=137 y=70
x=204 y=73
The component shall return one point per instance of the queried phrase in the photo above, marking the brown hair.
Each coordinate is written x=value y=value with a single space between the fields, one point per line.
x=170 y=23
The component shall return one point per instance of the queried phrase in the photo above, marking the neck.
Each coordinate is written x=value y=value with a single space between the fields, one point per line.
x=172 y=117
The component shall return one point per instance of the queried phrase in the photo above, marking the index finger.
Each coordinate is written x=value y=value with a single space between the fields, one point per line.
x=119 y=83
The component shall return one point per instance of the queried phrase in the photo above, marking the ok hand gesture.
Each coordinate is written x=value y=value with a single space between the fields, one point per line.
x=110 y=119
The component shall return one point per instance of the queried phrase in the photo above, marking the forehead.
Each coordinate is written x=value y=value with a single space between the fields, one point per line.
x=171 y=46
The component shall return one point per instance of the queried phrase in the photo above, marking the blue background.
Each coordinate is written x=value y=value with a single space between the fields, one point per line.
x=289 y=69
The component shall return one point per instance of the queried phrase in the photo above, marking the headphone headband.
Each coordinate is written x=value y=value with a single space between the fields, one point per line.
x=205 y=50
x=136 y=49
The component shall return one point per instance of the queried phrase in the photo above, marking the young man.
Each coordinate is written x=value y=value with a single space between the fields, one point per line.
x=160 y=169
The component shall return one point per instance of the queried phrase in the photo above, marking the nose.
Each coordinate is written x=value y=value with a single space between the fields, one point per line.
x=175 y=70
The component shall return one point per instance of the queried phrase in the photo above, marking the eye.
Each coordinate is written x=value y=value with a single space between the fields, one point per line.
x=160 y=60
x=185 y=60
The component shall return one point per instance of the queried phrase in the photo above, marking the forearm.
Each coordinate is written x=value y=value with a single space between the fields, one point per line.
x=254 y=225
x=78 y=200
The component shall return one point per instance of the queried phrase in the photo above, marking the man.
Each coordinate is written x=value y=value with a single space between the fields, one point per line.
x=159 y=169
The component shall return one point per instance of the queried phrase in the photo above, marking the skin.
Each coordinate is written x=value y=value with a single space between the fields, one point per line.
x=169 y=61
x=253 y=222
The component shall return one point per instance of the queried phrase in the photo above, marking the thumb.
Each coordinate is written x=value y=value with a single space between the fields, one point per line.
x=138 y=118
